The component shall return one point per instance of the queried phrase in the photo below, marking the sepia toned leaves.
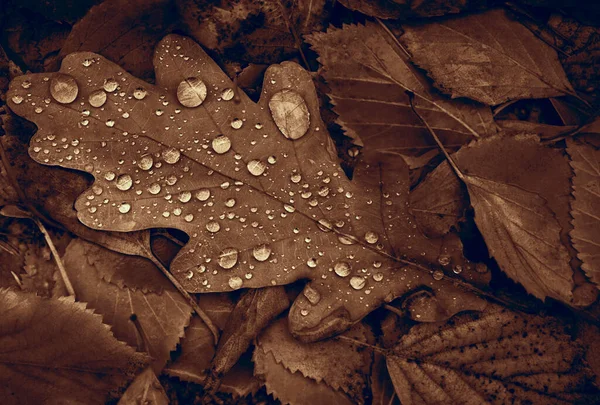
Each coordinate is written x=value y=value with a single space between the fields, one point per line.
x=405 y=9
x=494 y=357
x=585 y=206
x=57 y=351
x=145 y=389
x=368 y=76
x=499 y=59
x=162 y=318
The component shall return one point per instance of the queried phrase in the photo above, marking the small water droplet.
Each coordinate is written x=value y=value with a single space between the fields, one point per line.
x=110 y=85
x=304 y=312
x=311 y=295
x=154 y=188
x=237 y=123
x=342 y=269
x=444 y=260
x=97 y=189
x=230 y=202
x=324 y=225
x=261 y=253
x=290 y=113
x=312 y=263
x=438 y=275
x=97 y=98
x=146 y=162
x=159 y=112
x=371 y=237
x=258 y=125
x=17 y=99
x=227 y=94
x=213 y=226
x=358 y=283
x=221 y=144
x=272 y=159
x=110 y=176
x=63 y=88
x=457 y=269
x=87 y=62
x=26 y=84
x=124 y=182
x=235 y=283
x=256 y=167
x=378 y=276
x=189 y=218
x=110 y=123
x=228 y=258
x=171 y=156
x=203 y=194
x=346 y=240
x=296 y=178
x=124 y=208
x=191 y=92
x=139 y=93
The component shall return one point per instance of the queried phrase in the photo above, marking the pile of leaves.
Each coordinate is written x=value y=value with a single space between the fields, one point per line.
x=299 y=202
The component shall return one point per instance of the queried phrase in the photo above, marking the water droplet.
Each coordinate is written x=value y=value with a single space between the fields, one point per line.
x=213 y=226
x=230 y=203
x=139 y=93
x=227 y=94
x=289 y=208
x=203 y=194
x=272 y=159
x=171 y=180
x=324 y=225
x=444 y=260
x=304 y=312
x=457 y=269
x=63 y=88
x=312 y=263
x=171 y=155
x=256 y=167
x=87 y=62
x=228 y=258
x=438 y=275
x=159 y=112
x=221 y=144
x=290 y=113
x=124 y=182
x=237 y=123
x=191 y=92
x=311 y=295
x=371 y=237
x=146 y=162
x=154 y=188
x=235 y=283
x=17 y=99
x=97 y=98
x=189 y=217
x=110 y=123
x=26 y=84
x=378 y=276
x=124 y=208
x=358 y=283
x=296 y=178
x=97 y=189
x=110 y=85
x=342 y=269
x=110 y=176
x=346 y=240
x=261 y=253
x=185 y=196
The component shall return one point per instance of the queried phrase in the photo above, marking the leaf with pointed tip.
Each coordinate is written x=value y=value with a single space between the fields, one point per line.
x=368 y=91
x=223 y=173
x=163 y=317
x=499 y=59
x=145 y=389
x=494 y=357
x=58 y=349
x=585 y=206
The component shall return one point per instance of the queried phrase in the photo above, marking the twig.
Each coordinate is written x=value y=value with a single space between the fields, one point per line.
x=393 y=309
x=391 y=34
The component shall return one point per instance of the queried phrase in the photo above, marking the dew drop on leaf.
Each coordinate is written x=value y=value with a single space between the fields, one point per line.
x=191 y=92
x=256 y=167
x=312 y=262
x=324 y=225
x=311 y=295
x=110 y=85
x=358 y=283
x=185 y=196
x=124 y=208
x=110 y=176
x=272 y=159
x=221 y=144
x=228 y=258
x=296 y=178
x=378 y=276
x=124 y=182
x=227 y=94
x=213 y=226
x=97 y=98
x=203 y=194
x=63 y=88
x=230 y=203
x=154 y=188
x=237 y=123
x=346 y=240
x=457 y=269
x=342 y=269
x=110 y=123
x=189 y=218
x=235 y=282
x=171 y=155
x=97 y=189
x=371 y=237
x=261 y=253
x=444 y=260
x=26 y=84
x=290 y=113
x=139 y=93
x=289 y=208
x=146 y=162
x=17 y=99
x=438 y=275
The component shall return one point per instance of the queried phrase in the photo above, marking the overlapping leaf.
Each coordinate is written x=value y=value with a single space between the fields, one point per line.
x=247 y=208
x=59 y=350
x=495 y=357
x=145 y=389
x=585 y=206
x=369 y=74
x=487 y=57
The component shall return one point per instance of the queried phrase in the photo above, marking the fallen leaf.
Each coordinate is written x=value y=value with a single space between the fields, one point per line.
x=145 y=389
x=500 y=59
x=57 y=349
x=544 y=131
x=163 y=317
x=253 y=31
x=368 y=91
x=585 y=205
x=244 y=193
x=494 y=357
x=405 y=9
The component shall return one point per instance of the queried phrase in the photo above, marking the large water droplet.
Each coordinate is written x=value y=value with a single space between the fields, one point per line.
x=261 y=253
x=124 y=182
x=227 y=94
x=256 y=167
x=171 y=155
x=290 y=113
x=438 y=275
x=97 y=98
x=191 y=92
x=312 y=262
x=296 y=178
x=358 y=283
x=235 y=282
x=17 y=99
x=371 y=237
x=185 y=196
x=110 y=85
x=228 y=258
x=154 y=188
x=378 y=276
x=146 y=162
x=311 y=295
x=139 y=93
x=237 y=123
x=124 y=208
x=342 y=269
x=203 y=194
x=110 y=176
x=221 y=144
x=213 y=226
x=63 y=88
x=444 y=260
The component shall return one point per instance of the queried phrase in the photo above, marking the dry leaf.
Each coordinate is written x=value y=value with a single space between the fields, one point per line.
x=369 y=75
x=404 y=9
x=245 y=194
x=494 y=357
x=486 y=57
x=145 y=389
x=163 y=317
x=585 y=160
x=57 y=351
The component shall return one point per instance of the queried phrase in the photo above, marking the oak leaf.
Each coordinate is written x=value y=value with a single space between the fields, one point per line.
x=494 y=357
x=486 y=57
x=188 y=154
x=369 y=74
x=57 y=351
x=585 y=160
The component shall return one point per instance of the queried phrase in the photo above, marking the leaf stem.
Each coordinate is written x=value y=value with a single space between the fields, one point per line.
x=359 y=343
